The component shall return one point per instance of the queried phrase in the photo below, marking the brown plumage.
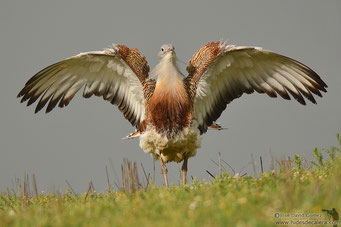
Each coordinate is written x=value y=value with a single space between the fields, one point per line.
x=170 y=111
x=201 y=60
x=135 y=60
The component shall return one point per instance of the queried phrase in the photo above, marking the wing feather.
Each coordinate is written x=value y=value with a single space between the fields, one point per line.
x=220 y=73
x=118 y=74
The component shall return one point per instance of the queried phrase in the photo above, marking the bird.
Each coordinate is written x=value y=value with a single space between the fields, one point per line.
x=169 y=110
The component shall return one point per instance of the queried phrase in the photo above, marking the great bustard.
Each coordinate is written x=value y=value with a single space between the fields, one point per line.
x=171 y=111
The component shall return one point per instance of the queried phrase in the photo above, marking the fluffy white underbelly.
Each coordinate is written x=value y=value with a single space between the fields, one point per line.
x=184 y=144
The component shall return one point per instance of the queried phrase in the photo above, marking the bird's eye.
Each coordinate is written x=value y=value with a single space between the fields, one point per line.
x=162 y=49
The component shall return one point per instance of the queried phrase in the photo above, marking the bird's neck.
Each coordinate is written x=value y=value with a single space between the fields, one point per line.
x=169 y=77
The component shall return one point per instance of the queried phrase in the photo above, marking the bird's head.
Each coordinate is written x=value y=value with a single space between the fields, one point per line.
x=167 y=52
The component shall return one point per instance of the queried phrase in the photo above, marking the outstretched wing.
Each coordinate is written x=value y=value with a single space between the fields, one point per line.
x=118 y=74
x=220 y=73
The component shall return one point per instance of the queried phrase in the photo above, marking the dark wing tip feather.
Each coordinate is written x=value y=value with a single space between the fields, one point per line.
x=87 y=95
x=53 y=102
x=25 y=97
x=323 y=89
x=298 y=97
x=64 y=101
x=310 y=97
x=40 y=105
x=270 y=93
x=33 y=98
x=283 y=94
x=301 y=100
x=315 y=79
x=20 y=93
x=316 y=92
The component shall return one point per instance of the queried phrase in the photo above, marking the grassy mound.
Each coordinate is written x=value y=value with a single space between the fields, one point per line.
x=295 y=193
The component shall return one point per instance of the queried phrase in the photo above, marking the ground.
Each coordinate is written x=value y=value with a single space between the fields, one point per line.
x=296 y=193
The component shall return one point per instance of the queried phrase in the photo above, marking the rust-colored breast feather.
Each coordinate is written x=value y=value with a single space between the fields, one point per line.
x=169 y=112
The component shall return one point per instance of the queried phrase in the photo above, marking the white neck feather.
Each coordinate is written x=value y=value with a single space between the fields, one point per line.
x=167 y=73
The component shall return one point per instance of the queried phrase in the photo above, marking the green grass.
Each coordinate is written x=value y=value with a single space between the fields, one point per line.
x=226 y=201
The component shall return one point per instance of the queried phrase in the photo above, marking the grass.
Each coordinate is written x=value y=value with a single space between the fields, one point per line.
x=294 y=189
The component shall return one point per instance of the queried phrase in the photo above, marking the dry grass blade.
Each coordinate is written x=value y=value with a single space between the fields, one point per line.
x=131 y=176
x=117 y=186
x=234 y=172
x=123 y=186
x=285 y=166
x=210 y=174
x=108 y=181
x=218 y=165
x=126 y=176
x=253 y=165
x=8 y=192
x=88 y=191
x=289 y=163
x=35 y=185
x=130 y=179
x=147 y=177
x=21 y=197
x=20 y=188
x=73 y=191
x=148 y=181
x=26 y=186
x=93 y=188
x=136 y=177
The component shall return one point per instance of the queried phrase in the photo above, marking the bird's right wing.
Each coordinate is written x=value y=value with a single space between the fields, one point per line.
x=220 y=73
x=118 y=74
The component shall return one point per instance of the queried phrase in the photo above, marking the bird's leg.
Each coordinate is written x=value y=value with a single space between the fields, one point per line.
x=164 y=171
x=184 y=171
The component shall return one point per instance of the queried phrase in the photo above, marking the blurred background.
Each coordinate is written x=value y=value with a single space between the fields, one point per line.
x=77 y=142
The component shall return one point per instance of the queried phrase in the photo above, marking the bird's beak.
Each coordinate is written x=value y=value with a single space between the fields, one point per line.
x=172 y=53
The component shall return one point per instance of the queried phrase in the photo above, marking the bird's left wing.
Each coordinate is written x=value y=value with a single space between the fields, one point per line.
x=118 y=74
x=220 y=73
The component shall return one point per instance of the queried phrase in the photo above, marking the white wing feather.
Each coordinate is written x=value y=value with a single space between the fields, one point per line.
x=237 y=70
x=102 y=72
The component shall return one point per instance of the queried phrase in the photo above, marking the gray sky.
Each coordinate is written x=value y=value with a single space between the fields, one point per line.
x=75 y=143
